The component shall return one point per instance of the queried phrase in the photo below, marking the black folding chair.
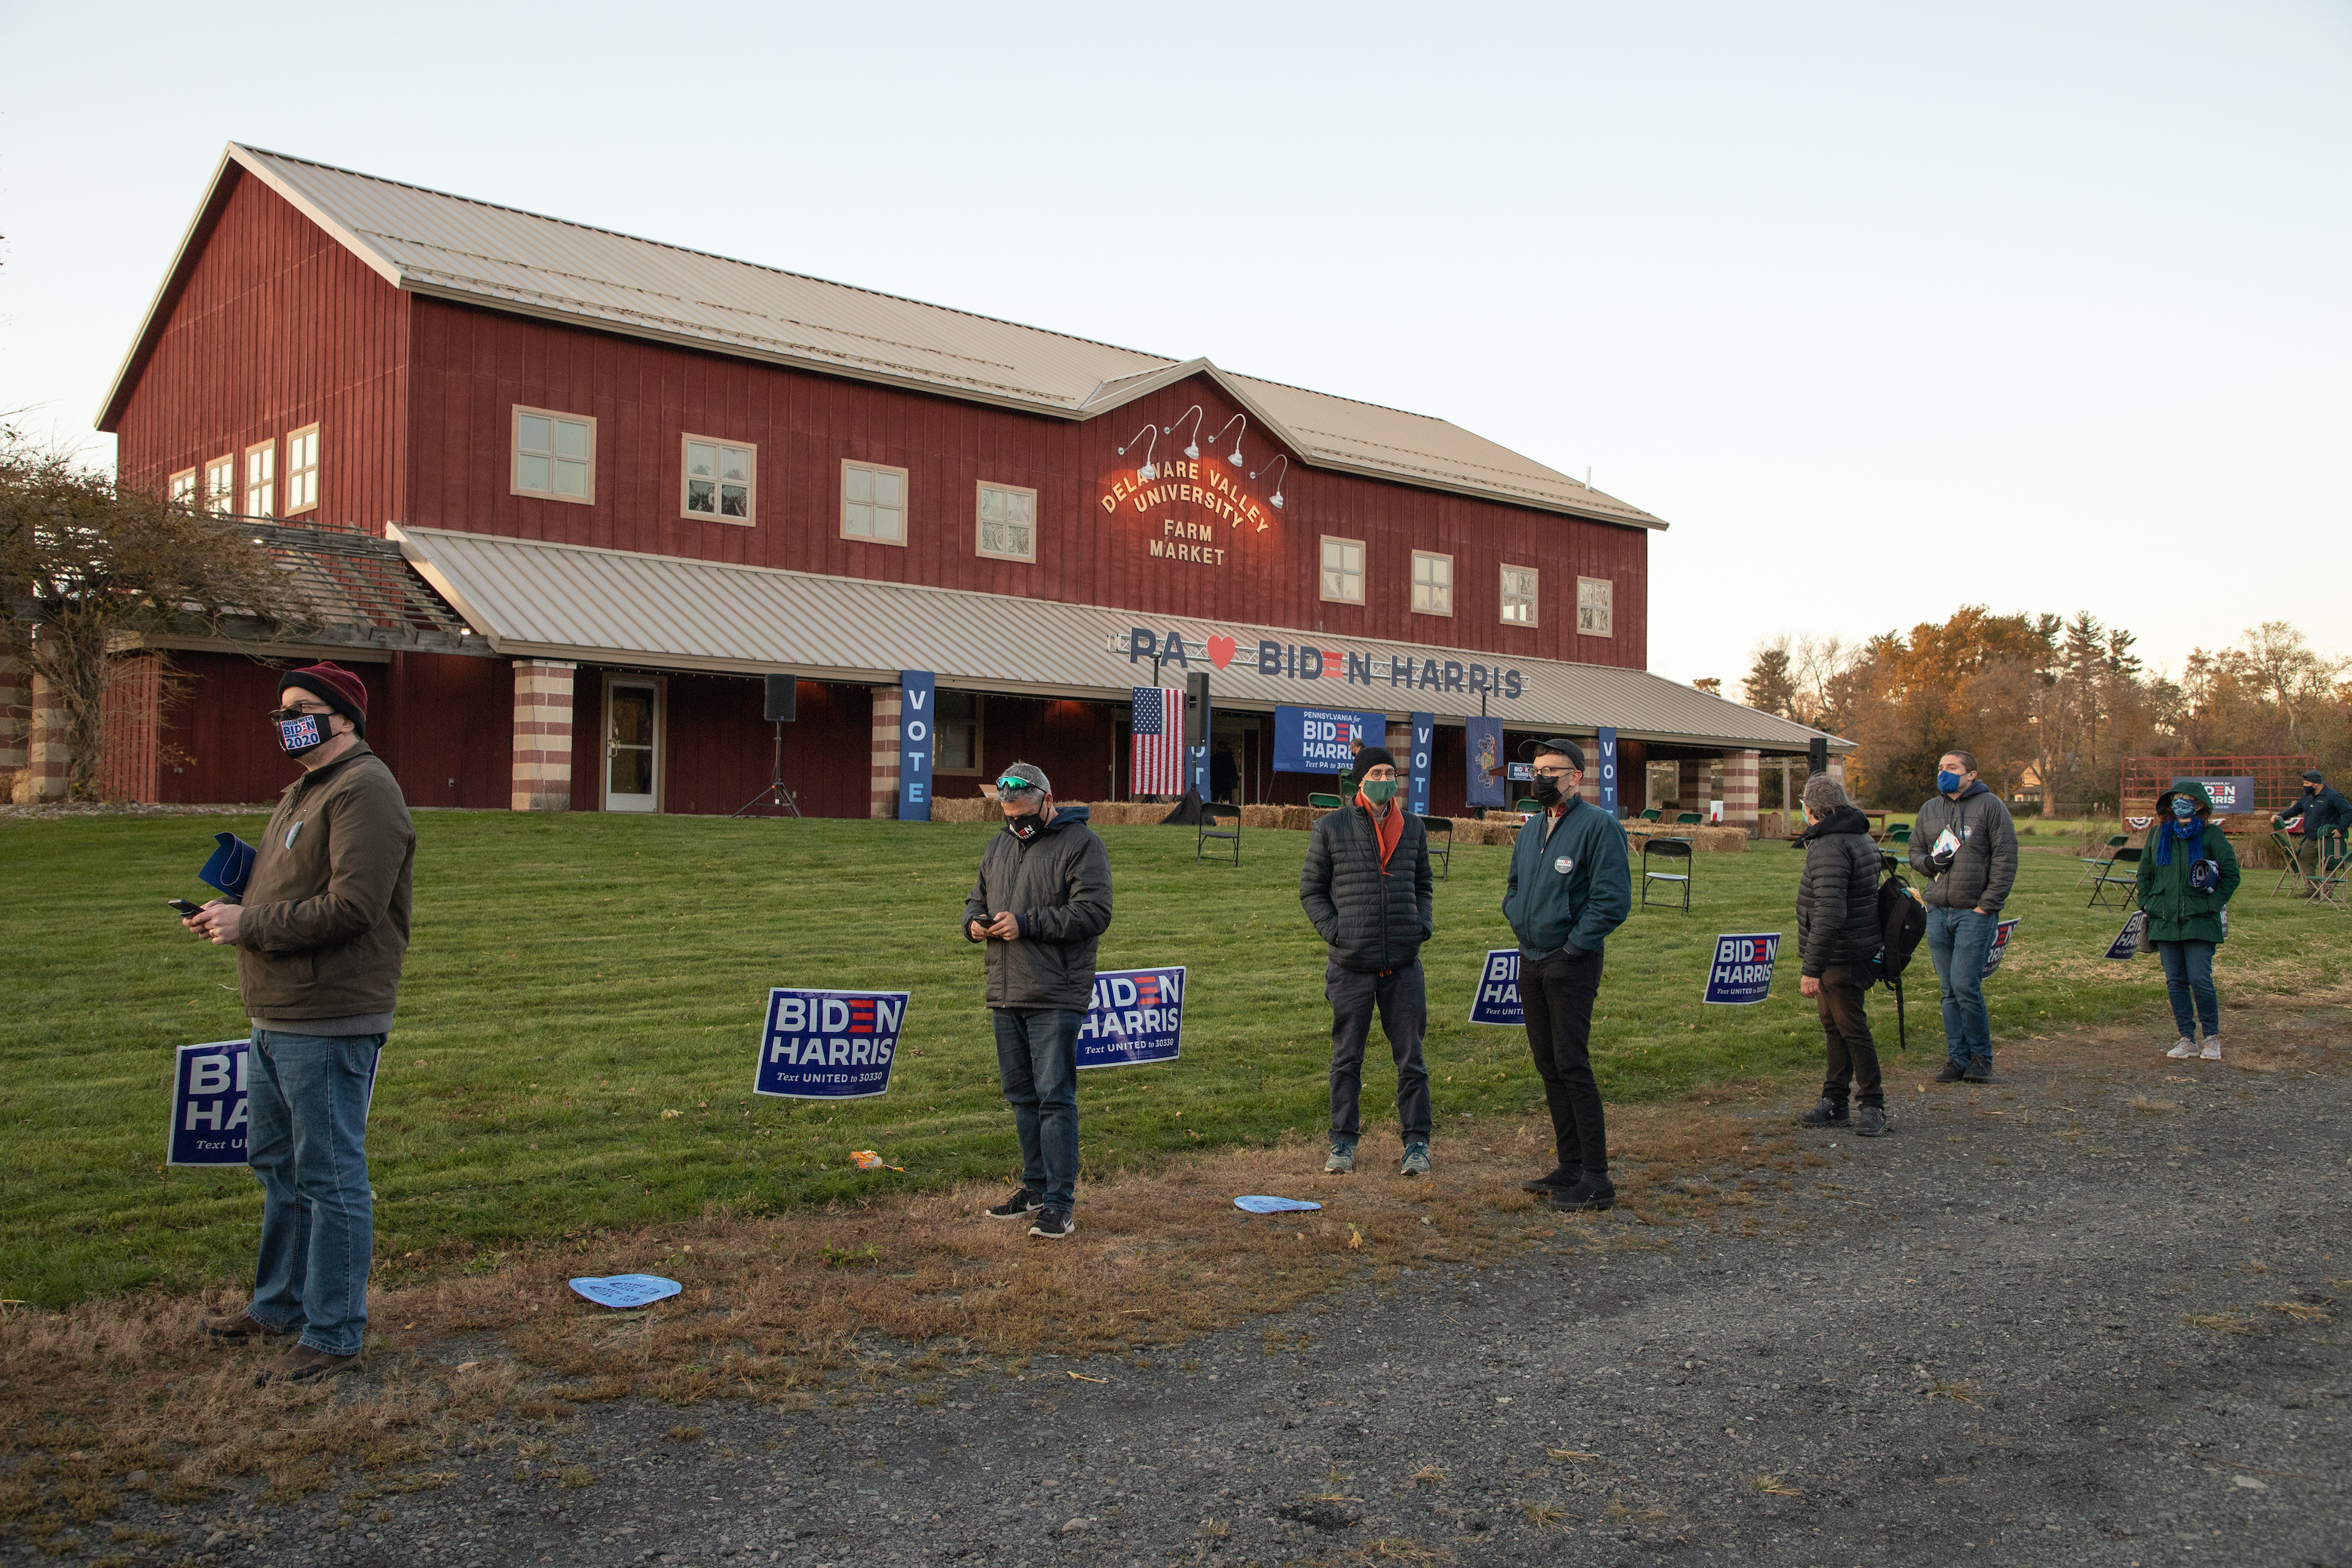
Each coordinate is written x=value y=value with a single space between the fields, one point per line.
x=1214 y=818
x=2123 y=873
x=1433 y=826
x=1669 y=851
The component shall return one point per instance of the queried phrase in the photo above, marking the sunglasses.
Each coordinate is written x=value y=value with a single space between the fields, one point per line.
x=288 y=715
x=1017 y=787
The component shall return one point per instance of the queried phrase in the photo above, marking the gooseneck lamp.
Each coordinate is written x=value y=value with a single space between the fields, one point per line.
x=1191 y=447
x=1146 y=471
x=1235 y=457
x=1284 y=459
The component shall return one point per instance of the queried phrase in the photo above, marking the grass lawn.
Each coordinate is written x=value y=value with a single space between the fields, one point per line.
x=573 y=977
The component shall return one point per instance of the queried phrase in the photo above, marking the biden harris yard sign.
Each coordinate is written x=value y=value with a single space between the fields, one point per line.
x=208 y=1103
x=1742 y=971
x=829 y=1044
x=1496 y=999
x=1134 y=1015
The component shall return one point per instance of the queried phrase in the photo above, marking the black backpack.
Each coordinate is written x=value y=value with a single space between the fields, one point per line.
x=1902 y=923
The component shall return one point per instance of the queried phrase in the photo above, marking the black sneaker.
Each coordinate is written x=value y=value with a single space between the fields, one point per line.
x=1870 y=1121
x=1021 y=1201
x=1586 y=1197
x=1953 y=1072
x=1980 y=1071
x=1558 y=1181
x=1054 y=1224
x=1826 y=1112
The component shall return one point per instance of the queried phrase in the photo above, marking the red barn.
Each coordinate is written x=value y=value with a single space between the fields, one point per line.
x=566 y=497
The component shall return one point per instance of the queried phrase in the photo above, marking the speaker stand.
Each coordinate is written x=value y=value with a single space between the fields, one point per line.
x=775 y=795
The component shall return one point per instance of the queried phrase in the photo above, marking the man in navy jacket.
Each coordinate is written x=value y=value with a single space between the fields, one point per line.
x=1570 y=887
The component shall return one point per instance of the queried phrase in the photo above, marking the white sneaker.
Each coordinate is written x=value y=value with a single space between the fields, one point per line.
x=2184 y=1050
x=2212 y=1050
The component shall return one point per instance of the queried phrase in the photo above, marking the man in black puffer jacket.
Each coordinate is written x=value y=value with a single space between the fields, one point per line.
x=1837 y=937
x=1366 y=888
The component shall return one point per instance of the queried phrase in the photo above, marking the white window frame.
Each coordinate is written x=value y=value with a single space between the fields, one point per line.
x=1605 y=601
x=1323 y=567
x=514 y=454
x=604 y=744
x=906 y=497
x=181 y=489
x=302 y=476
x=751 y=518
x=260 y=479
x=979 y=522
x=1505 y=597
x=220 y=483
x=1432 y=607
x=978 y=722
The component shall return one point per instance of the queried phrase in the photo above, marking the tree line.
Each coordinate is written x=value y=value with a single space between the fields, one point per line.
x=2057 y=701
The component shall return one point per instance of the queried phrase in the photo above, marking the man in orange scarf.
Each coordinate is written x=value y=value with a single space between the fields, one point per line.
x=1367 y=889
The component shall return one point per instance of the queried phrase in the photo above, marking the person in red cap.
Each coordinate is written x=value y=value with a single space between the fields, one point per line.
x=319 y=934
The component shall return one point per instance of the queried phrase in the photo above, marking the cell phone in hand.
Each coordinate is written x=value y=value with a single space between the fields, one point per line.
x=184 y=910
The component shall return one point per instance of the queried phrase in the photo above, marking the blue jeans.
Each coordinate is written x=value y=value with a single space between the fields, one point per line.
x=2188 y=981
x=1959 y=941
x=1037 y=1063
x=307 y=1099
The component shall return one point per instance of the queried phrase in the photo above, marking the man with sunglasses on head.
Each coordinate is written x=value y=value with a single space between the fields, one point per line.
x=319 y=934
x=1570 y=887
x=1042 y=904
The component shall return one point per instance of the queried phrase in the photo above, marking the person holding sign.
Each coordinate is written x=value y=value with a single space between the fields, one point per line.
x=2186 y=874
x=319 y=937
x=2317 y=812
x=1965 y=844
x=1570 y=887
x=1367 y=889
x=1837 y=937
x=1042 y=904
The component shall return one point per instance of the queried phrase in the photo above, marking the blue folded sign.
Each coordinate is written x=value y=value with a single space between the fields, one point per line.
x=627 y=1290
x=231 y=864
x=1275 y=1205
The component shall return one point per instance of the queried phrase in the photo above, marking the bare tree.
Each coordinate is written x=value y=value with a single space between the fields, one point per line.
x=1769 y=688
x=2293 y=673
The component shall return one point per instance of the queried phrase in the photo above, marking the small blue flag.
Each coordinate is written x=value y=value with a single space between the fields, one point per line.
x=627 y=1290
x=231 y=864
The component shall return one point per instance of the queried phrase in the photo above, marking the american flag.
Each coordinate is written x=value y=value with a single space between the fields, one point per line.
x=1159 y=730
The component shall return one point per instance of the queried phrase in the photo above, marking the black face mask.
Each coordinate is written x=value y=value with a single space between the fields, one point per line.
x=1546 y=791
x=1026 y=826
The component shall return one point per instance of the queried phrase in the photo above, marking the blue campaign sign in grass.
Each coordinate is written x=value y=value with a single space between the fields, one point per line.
x=1741 y=974
x=2000 y=939
x=2125 y=947
x=208 y=1105
x=1496 y=999
x=829 y=1044
x=1136 y=1016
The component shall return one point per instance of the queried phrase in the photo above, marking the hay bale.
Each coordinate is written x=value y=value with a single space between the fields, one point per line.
x=1298 y=818
x=1262 y=816
x=964 y=808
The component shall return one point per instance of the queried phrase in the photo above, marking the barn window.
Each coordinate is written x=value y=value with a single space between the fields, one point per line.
x=555 y=455
x=1433 y=583
x=1343 y=570
x=260 y=487
x=1008 y=522
x=1519 y=595
x=302 y=471
x=874 y=503
x=719 y=481
x=220 y=484
x=957 y=749
x=1592 y=607
x=184 y=488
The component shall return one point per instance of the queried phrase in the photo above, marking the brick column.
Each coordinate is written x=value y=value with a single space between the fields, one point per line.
x=542 y=734
x=1739 y=791
x=44 y=763
x=16 y=700
x=1837 y=768
x=1692 y=785
x=882 y=796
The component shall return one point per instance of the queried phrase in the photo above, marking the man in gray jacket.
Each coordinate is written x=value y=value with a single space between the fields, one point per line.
x=1366 y=888
x=1837 y=938
x=1042 y=904
x=1965 y=844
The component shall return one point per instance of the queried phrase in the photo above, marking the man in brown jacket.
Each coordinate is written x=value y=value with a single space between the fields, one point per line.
x=319 y=934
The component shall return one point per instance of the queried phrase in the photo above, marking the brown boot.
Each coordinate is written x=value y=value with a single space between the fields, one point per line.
x=305 y=1363
x=235 y=1330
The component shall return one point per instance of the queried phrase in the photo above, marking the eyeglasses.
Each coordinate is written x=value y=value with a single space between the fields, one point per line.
x=1554 y=772
x=287 y=715
x=1017 y=787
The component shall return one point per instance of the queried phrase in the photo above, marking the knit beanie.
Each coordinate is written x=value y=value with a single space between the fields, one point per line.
x=333 y=685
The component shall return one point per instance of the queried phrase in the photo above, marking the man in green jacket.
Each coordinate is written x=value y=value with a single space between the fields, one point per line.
x=320 y=935
x=1570 y=887
x=2186 y=873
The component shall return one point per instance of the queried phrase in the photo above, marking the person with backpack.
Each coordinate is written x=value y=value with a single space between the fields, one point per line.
x=2186 y=873
x=1965 y=844
x=1838 y=935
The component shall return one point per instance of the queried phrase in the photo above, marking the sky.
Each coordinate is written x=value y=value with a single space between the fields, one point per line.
x=1884 y=309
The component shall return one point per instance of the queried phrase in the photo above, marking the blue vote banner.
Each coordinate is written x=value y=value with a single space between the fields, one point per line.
x=2126 y=946
x=1322 y=740
x=1484 y=765
x=1741 y=974
x=1605 y=746
x=829 y=1044
x=1422 y=728
x=918 y=711
x=2232 y=796
x=1496 y=999
x=2000 y=936
x=209 y=1114
x=1134 y=1017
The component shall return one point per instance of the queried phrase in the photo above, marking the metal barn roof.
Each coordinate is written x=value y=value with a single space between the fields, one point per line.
x=447 y=246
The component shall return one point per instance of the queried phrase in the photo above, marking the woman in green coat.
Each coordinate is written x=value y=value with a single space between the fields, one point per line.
x=2186 y=873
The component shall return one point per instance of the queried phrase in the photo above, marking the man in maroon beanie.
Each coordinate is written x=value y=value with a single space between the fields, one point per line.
x=319 y=934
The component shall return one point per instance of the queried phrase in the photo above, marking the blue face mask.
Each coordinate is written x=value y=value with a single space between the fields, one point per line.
x=2183 y=807
x=1948 y=782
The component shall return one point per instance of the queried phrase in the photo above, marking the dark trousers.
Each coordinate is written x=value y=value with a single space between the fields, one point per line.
x=1558 y=994
x=1037 y=1066
x=1854 y=1055
x=2189 y=981
x=1403 y=998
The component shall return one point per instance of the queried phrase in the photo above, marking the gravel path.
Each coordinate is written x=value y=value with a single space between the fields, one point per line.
x=1964 y=1344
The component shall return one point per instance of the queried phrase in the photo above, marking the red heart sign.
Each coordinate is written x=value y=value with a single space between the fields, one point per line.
x=1221 y=651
